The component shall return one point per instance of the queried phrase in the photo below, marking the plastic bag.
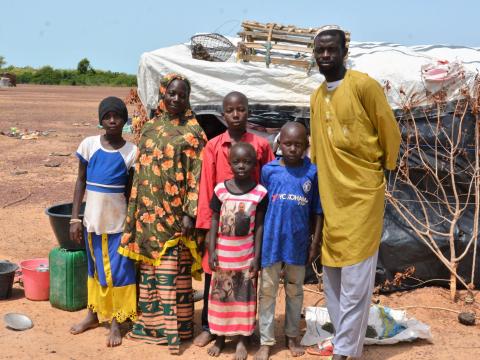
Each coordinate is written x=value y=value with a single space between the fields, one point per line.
x=392 y=326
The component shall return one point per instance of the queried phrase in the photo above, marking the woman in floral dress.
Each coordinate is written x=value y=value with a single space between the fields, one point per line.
x=159 y=224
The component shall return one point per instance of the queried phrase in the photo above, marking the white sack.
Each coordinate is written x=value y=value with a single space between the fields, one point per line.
x=384 y=320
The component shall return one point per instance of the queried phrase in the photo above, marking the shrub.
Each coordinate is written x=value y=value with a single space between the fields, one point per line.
x=49 y=76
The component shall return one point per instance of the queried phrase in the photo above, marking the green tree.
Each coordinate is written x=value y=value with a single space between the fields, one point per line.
x=47 y=75
x=2 y=62
x=84 y=66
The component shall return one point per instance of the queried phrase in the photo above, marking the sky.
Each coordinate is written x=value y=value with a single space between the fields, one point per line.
x=114 y=34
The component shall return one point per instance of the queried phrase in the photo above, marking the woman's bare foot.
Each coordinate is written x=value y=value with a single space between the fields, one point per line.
x=115 y=336
x=263 y=353
x=294 y=347
x=90 y=322
x=203 y=339
x=241 y=352
x=217 y=347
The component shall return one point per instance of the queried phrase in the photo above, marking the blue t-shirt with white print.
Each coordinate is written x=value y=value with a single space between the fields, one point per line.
x=293 y=199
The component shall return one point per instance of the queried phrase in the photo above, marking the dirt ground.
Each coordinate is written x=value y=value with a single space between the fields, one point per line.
x=67 y=115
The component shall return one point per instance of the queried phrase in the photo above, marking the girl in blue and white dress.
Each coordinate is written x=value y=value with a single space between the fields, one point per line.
x=104 y=175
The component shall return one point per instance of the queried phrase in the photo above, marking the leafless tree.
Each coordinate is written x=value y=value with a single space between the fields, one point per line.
x=437 y=182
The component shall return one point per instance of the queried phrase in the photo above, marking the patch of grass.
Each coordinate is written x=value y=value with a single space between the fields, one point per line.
x=47 y=75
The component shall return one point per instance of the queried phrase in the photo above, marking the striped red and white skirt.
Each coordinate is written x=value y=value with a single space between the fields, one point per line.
x=232 y=304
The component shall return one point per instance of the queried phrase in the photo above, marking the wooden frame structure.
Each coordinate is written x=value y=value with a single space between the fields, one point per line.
x=277 y=44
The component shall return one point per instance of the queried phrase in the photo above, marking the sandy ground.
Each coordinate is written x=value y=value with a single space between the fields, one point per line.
x=25 y=233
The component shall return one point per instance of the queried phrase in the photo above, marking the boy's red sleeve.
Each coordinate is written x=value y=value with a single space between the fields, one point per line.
x=267 y=154
x=204 y=213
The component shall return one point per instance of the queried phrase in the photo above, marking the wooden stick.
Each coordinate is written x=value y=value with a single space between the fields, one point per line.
x=270 y=32
x=16 y=201
x=275 y=34
x=300 y=63
x=254 y=35
x=287 y=30
x=251 y=45
x=280 y=29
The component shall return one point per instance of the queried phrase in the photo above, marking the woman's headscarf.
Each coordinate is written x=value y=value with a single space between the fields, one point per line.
x=161 y=110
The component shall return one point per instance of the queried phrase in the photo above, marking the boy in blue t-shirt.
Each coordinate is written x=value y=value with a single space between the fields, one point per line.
x=293 y=201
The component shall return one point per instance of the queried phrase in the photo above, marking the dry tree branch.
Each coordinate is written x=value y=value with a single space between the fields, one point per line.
x=425 y=164
x=432 y=245
x=423 y=227
x=451 y=196
x=477 y=192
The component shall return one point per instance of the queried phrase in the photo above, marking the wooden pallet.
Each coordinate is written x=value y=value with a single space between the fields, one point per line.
x=277 y=44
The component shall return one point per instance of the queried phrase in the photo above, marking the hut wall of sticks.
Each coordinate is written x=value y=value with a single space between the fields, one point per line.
x=273 y=43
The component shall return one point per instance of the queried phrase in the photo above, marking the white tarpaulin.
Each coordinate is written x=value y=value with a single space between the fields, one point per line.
x=400 y=65
x=392 y=326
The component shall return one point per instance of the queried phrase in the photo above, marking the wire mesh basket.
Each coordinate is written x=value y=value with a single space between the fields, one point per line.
x=211 y=47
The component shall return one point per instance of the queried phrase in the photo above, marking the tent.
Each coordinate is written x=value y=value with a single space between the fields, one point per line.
x=400 y=66
x=416 y=80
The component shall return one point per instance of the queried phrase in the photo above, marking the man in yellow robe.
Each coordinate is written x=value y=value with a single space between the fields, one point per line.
x=355 y=137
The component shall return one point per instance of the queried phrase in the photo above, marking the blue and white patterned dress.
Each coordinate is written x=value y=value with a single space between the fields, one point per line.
x=111 y=277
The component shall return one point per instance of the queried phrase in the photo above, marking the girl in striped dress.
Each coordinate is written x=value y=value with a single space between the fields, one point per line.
x=236 y=231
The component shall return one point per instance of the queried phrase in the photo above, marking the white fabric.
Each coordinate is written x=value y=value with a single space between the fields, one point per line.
x=316 y=317
x=400 y=66
x=348 y=291
x=333 y=85
x=328 y=27
x=105 y=212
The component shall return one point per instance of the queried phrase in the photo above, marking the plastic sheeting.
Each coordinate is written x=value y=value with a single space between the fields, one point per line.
x=392 y=326
x=400 y=246
x=400 y=66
